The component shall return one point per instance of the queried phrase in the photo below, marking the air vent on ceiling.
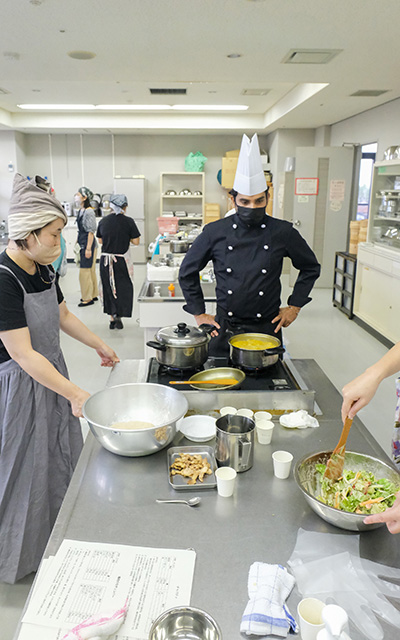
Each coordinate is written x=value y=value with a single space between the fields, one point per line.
x=310 y=56
x=255 y=92
x=368 y=93
x=3 y=92
x=168 y=92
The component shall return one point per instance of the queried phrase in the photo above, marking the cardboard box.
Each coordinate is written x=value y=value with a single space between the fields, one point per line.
x=229 y=166
x=232 y=154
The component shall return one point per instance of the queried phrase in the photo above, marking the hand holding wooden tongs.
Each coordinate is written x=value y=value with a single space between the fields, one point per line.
x=335 y=464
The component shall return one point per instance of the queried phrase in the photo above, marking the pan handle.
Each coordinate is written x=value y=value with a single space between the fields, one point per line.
x=207 y=328
x=274 y=351
x=156 y=345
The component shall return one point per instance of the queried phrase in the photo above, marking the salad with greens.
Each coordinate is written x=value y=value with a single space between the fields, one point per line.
x=357 y=492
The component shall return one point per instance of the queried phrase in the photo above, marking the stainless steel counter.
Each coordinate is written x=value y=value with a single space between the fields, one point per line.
x=112 y=499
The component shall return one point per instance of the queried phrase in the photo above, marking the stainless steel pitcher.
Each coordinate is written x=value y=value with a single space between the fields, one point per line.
x=234 y=445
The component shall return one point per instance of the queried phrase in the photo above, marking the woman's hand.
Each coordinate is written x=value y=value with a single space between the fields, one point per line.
x=358 y=393
x=207 y=318
x=77 y=402
x=88 y=253
x=286 y=316
x=107 y=355
x=391 y=517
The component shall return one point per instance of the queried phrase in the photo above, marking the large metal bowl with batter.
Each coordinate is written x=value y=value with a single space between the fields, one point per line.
x=307 y=480
x=154 y=403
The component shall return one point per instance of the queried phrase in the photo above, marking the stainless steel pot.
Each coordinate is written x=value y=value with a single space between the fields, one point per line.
x=182 y=347
x=234 y=445
x=254 y=358
x=179 y=246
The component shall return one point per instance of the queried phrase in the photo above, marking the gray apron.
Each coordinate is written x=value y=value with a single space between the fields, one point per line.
x=40 y=443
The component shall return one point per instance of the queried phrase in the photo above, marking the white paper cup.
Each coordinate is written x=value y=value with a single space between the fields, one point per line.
x=282 y=462
x=264 y=430
x=226 y=478
x=228 y=411
x=247 y=413
x=309 y=611
x=262 y=415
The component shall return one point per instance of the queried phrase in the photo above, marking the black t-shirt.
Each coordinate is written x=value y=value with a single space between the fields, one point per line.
x=117 y=231
x=12 y=314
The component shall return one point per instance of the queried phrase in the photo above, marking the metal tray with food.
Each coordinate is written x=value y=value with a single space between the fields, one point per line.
x=191 y=468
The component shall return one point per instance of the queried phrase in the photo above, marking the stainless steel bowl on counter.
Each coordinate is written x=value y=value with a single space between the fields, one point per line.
x=182 y=623
x=154 y=403
x=307 y=480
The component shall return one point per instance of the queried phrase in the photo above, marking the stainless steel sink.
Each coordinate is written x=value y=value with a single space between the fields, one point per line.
x=148 y=289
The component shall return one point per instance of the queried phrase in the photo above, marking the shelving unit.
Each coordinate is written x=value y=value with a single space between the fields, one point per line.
x=381 y=222
x=178 y=181
x=344 y=279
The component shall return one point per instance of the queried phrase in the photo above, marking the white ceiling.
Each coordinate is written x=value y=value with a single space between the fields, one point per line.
x=184 y=44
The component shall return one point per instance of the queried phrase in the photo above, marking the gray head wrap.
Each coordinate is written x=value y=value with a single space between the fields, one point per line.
x=31 y=207
x=86 y=193
x=118 y=201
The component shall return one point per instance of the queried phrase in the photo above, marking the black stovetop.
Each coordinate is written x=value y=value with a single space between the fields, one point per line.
x=274 y=378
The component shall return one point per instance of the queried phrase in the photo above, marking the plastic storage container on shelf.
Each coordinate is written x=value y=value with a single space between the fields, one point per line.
x=167 y=224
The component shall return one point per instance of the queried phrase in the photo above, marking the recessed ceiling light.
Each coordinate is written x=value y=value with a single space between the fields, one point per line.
x=234 y=55
x=133 y=107
x=210 y=107
x=81 y=55
x=57 y=107
x=255 y=92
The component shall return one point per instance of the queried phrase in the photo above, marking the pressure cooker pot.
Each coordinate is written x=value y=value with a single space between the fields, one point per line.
x=254 y=350
x=182 y=347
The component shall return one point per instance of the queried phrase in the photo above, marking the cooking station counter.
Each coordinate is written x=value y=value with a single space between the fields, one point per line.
x=112 y=499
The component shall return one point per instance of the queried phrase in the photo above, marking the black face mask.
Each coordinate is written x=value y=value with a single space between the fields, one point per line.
x=252 y=217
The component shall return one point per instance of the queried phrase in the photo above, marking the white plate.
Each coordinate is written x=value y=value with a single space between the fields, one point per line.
x=198 y=428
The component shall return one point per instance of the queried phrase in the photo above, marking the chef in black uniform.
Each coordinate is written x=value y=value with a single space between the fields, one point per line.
x=247 y=251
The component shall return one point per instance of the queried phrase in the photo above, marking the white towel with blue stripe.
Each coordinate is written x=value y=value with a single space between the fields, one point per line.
x=266 y=613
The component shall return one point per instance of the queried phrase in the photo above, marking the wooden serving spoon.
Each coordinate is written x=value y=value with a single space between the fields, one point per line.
x=334 y=466
x=220 y=381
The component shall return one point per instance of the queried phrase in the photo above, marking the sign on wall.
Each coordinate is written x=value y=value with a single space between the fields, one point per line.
x=306 y=186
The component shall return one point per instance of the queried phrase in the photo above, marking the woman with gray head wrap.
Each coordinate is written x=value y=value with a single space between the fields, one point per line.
x=86 y=223
x=40 y=432
x=116 y=232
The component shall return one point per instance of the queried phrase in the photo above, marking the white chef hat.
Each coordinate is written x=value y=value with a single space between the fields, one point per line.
x=249 y=178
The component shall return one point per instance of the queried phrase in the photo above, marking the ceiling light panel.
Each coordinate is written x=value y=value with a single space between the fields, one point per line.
x=255 y=92
x=368 y=93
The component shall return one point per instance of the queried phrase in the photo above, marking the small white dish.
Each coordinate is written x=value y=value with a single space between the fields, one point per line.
x=198 y=428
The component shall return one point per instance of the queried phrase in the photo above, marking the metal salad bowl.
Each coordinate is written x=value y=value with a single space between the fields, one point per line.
x=185 y=623
x=154 y=403
x=307 y=479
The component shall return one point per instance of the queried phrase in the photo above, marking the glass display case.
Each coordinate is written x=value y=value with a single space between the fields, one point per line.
x=384 y=213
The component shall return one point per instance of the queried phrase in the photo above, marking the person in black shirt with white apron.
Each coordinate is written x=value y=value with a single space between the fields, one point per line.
x=116 y=232
x=40 y=432
x=247 y=250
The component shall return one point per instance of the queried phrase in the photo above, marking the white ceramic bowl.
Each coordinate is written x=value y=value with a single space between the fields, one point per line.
x=198 y=428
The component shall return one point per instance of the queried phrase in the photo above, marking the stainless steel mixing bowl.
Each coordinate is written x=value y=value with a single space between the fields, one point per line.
x=307 y=480
x=154 y=403
x=185 y=623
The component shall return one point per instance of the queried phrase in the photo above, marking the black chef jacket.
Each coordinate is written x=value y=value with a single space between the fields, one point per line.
x=248 y=265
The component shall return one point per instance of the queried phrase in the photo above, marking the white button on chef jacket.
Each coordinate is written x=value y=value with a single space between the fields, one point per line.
x=231 y=248
x=230 y=313
x=263 y=271
x=230 y=292
x=266 y=247
x=263 y=226
x=261 y=293
x=259 y=315
x=234 y=226
x=229 y=270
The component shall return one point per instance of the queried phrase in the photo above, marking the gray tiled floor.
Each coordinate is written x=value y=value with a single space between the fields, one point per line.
x=341 y=348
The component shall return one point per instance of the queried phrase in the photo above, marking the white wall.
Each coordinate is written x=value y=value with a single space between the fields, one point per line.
x=8 y=153
x=71 y=161
x=381 y=125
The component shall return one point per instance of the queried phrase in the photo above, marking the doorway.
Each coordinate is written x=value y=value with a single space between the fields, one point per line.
x=368 y=155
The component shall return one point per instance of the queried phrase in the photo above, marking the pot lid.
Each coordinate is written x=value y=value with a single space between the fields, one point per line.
x=181 y=336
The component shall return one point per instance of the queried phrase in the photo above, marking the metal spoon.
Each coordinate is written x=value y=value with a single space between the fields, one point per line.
x=190 y=503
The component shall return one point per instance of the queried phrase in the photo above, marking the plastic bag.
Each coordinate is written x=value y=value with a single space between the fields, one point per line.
x=195 y=161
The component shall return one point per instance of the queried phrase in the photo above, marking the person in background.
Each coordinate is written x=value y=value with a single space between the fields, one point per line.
x=116 y=232
x=356 y=395
x=247 y=251
x=86 y=222
x=40 y=432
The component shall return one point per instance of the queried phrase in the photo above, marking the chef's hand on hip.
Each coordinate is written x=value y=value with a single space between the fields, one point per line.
x=107 y=355
x=285 y=317
x=390 y=516
x=78 y=401
x=207 y=318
